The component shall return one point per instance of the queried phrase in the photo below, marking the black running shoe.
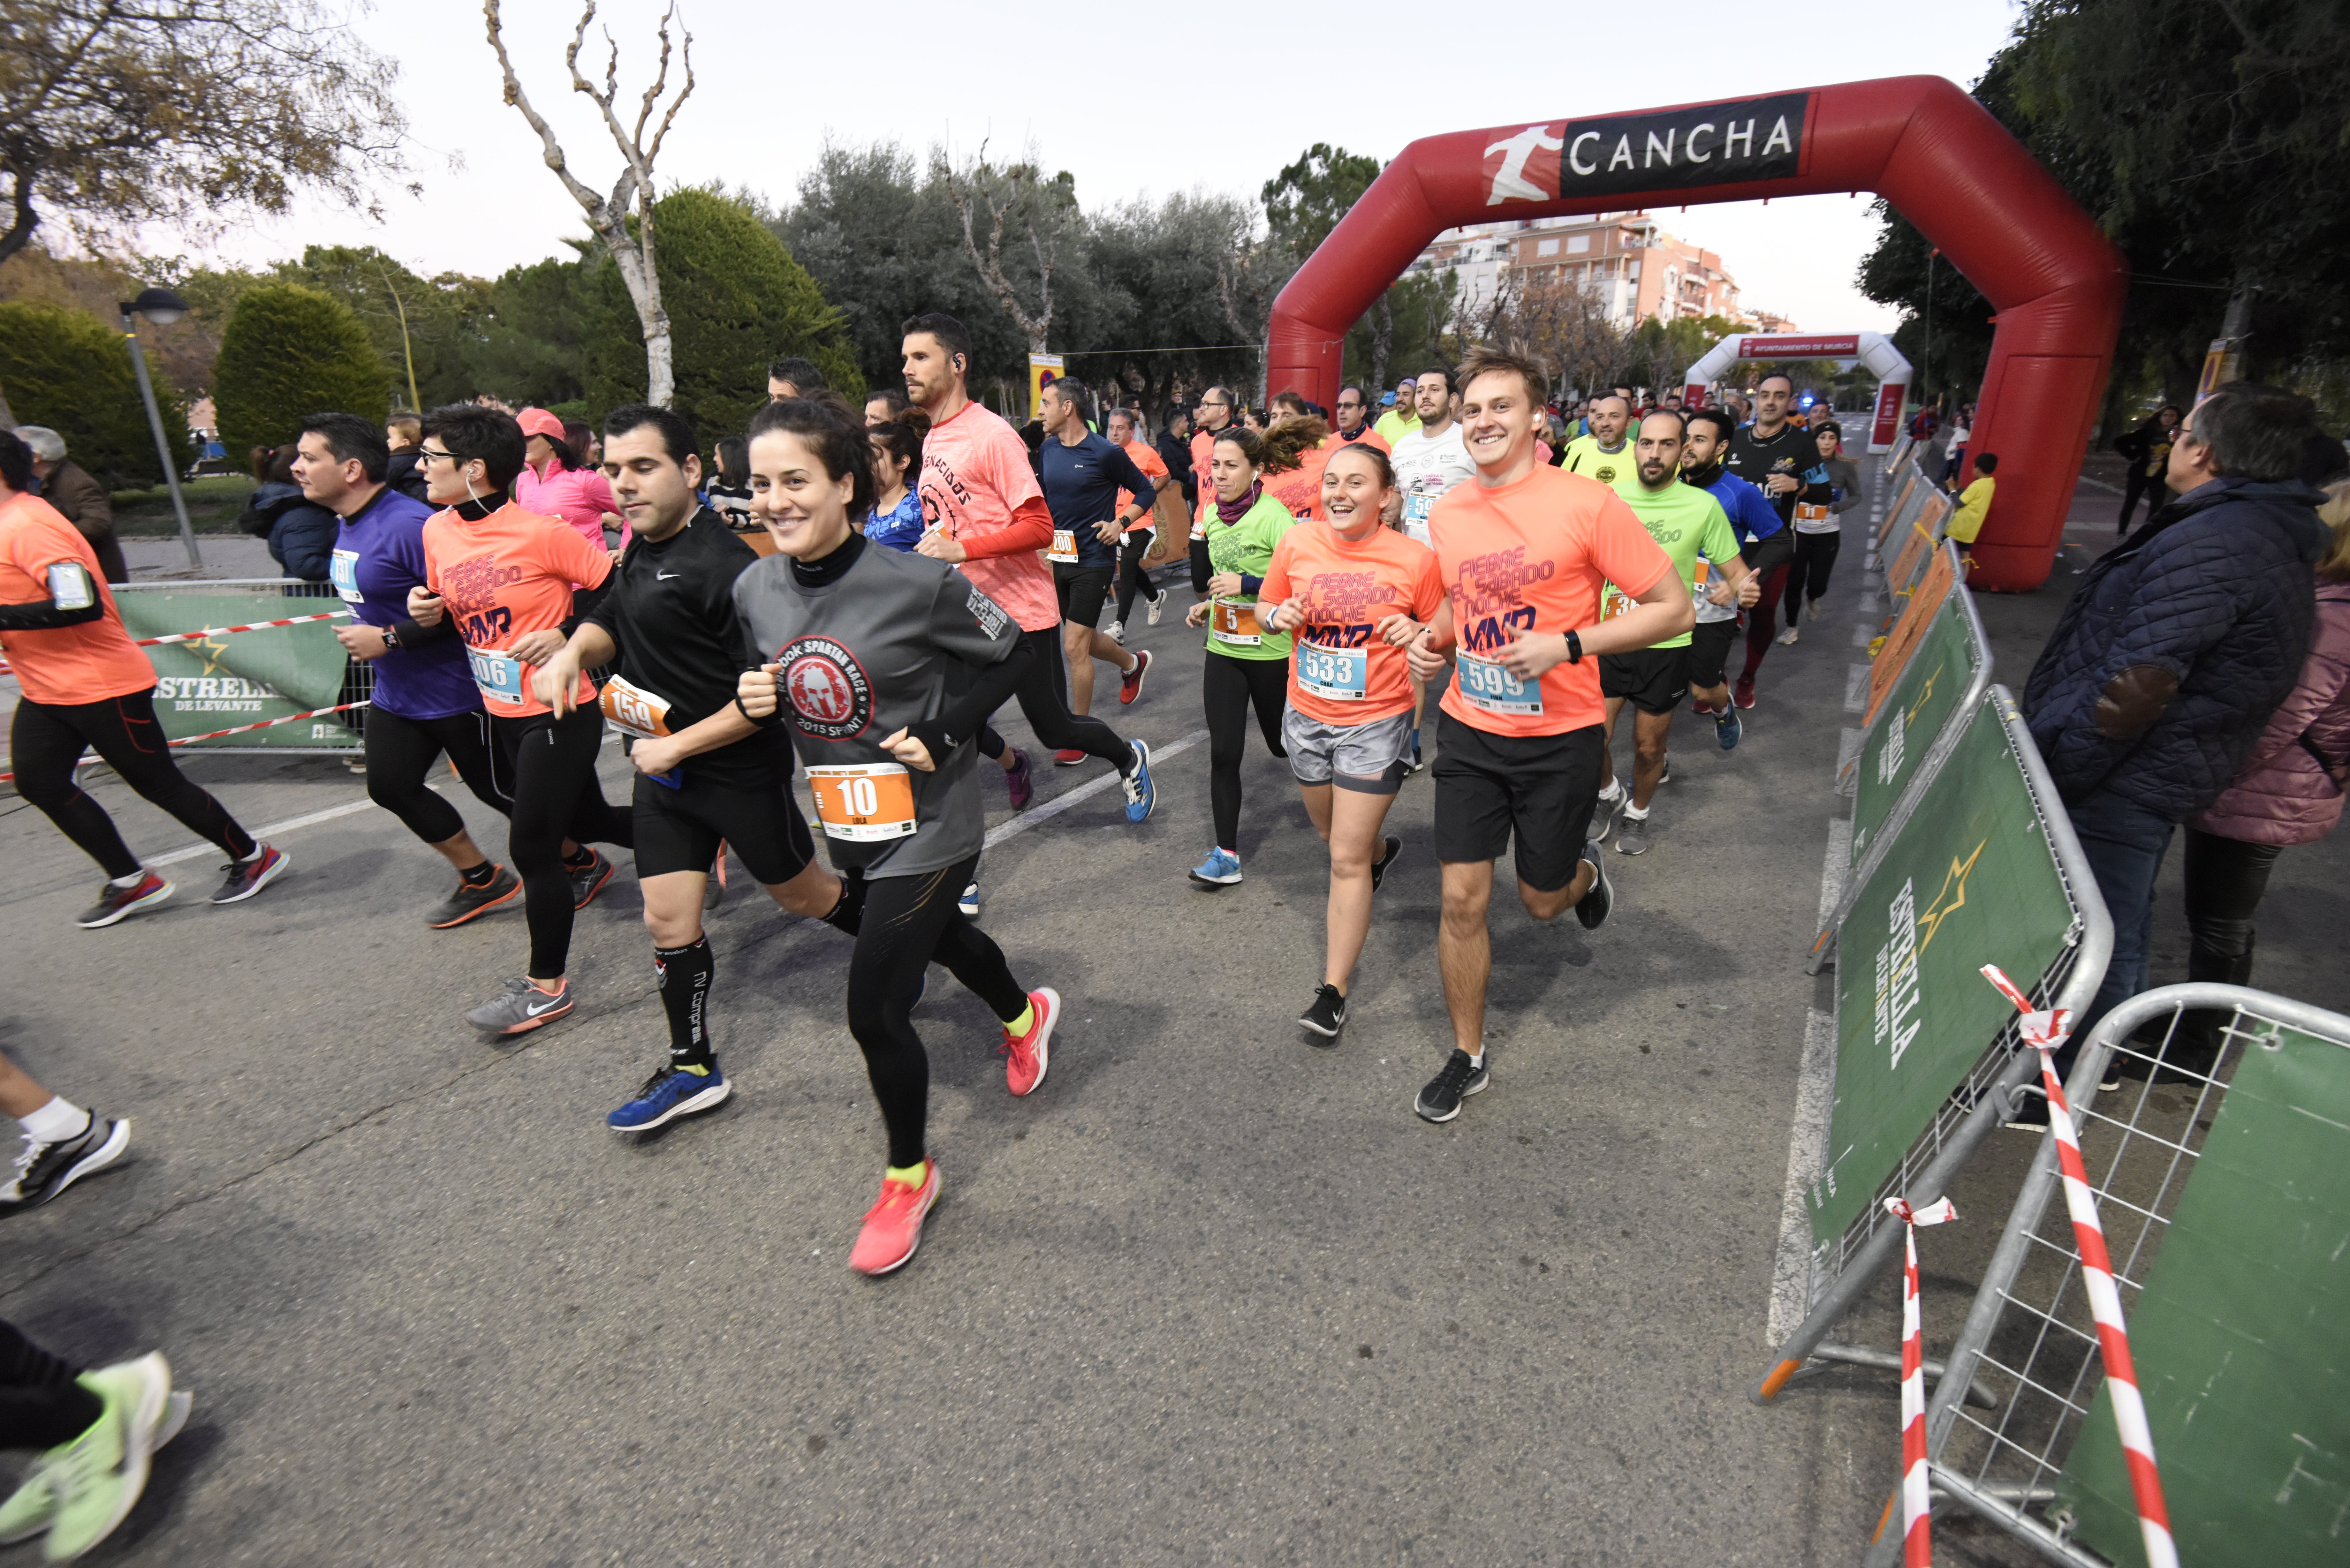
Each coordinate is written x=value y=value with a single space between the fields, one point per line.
x=121 y=903
x=46 y=1169
x=1441 y=1101
x=246 y=878
x=1328 y=1013
x=587 y=878
x=469 y=901
x=1380 y=869
x=1593 y=907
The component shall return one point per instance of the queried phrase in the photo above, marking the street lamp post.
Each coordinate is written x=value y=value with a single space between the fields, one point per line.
x=162 y=307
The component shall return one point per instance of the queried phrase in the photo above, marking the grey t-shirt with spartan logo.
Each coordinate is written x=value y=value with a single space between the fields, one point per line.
x=862 y=658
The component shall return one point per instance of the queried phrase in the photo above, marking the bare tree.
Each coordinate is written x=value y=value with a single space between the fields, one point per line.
x=1017 y=191
x=1560 y=324
x=609 y=216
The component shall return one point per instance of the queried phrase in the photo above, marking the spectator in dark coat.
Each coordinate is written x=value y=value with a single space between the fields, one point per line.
x=1174 y=446
x=2146 y=454
x=301 y=534
x=2175 y=650
x=77 y=495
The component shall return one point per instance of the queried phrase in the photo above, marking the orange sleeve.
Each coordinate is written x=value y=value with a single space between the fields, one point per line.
x=1274 y=586
x=1426 y=587
x=574 y=560
x=1622 y=549
x=1031 y=528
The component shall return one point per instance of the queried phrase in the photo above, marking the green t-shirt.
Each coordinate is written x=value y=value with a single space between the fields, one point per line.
x=1618 y=468
x=1395 y=424
x=1246 y=548
x=1688 y=523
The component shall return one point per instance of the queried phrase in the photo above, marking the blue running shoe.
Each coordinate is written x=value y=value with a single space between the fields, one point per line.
x=672 y=1093
x=1727 y=728
x=1141 y=795
x=1221 y=868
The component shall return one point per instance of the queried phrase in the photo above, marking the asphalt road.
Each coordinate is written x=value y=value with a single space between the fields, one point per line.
x=1212 y=1295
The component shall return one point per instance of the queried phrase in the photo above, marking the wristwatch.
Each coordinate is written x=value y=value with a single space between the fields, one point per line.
x=1573 y=646
x=391 y=635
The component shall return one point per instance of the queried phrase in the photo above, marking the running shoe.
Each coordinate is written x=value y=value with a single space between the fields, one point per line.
x=1603 y=815
x=1414 y=764
x=1220 y=869
x=893 y=1226
x=1068 y=757
x=1157 y=605
x=1379 y=867
x=1666 y=777
x=1811 y=610
x=1460 y=1077
x=97 y=1477
x=588 y=878
x=32 y=1508
x=672 y=1093
x=121 y=903
x=1117 y=632
x=1026 y=1057
x=469 y=901
x=1141 y=795
x=713 y=891
x=969 y=902
x=1727 y=728
x=1593 y=907
x=1631 y=833
x=1789 y=638
x=519 y=1008
x=46 y=1169
x=1743 y=693
x=246 y=878
x=1020 y=780
x=1129 y=685
x=1325 y=1014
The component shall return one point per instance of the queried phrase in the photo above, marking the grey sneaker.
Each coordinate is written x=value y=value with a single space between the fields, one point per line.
x=1631 y=833
x=1593 y=907
x=1157 y=605
x=1603 y=817
x=468 y=902
x=520 y=1008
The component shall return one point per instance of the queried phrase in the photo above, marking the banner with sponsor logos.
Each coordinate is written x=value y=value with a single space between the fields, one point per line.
x=245 y=677
x=1971 y=878
x=1938 y=673
x=1733 y=142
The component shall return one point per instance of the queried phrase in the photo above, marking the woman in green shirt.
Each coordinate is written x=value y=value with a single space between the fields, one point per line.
x=1253 y=669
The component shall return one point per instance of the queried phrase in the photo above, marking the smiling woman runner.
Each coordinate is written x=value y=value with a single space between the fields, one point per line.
x=885 y=665
x=1243 y=524
x=1354 y=593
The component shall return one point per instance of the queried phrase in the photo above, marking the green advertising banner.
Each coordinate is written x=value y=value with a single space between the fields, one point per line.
x=2241 y=1337
x=1921 y=703
x=245 y=678
x=1970 y=880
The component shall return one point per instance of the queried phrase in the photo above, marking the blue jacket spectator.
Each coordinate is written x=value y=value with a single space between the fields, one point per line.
x=301 y=534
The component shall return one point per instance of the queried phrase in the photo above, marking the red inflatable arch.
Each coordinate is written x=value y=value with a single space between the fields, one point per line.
x=1919 y=141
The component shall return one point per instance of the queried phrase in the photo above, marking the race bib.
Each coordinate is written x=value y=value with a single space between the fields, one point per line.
x=343 y=571
x=1614 y=601
x=1231 y=621
x=1065 y=546
x=864 y=804
x=1336 y=674
x=1416 y=507
x=636 y=710
x=1490 y=686
x=497 y=673
x=1812 y=519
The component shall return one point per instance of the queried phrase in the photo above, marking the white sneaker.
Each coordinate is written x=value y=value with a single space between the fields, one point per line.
x=1812 y=609
x=1117 y=632
x=969 y=902
x=1157 y=605
x=1788 y=637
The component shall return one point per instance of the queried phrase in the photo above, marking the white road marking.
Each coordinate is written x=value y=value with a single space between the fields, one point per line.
x=1855 y=689
x=265 y=832
x=1863 y=633
x=1815 y=1099
x=1847 y=753
x=1061 y=803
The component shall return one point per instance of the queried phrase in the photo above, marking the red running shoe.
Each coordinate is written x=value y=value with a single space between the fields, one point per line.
x=1027 y=1056
x=893 y=1226
x=1743 y=693
x=1129 y=685
x=1067 y=757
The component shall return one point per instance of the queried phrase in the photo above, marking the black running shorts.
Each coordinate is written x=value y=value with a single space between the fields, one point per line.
x=1535 y=790
x=1708 y=651
x=1083 y=590
x=679 y=829
x=1654 y=679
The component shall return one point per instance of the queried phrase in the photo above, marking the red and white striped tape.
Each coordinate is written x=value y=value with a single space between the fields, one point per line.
x=1916 y=1524
x=226 y=630
x=2045 y=1031
x=237 y=730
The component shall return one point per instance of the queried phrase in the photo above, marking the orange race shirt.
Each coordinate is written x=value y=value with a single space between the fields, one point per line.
x=1366 y=436
x=1342 y=670
x=1203 y=448
x=1531 y=556
x=505 y=575
x=1153 y=466
x=975 y=475
x=1300 y=488
x=66 y=665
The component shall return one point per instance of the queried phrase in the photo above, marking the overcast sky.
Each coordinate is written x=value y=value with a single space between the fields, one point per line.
x=1137 y=100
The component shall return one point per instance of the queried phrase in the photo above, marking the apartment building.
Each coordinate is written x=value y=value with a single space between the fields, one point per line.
x=1625 y=259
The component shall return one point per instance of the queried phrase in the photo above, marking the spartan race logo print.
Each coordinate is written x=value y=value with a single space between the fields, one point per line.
x=826 y=688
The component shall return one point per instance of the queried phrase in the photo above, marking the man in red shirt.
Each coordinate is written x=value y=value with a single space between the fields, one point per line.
x=1523 y=552
x=87 y=685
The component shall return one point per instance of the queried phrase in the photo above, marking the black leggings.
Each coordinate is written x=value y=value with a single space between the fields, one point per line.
x=1227 y=687
x=907 y=923
x=46 y=738
x=2225 y=880
x=1807 y=575
x=41 y=1405
x=1131 y=578
x=1043 y=697
x=547 y=768
x=399 y=756
x=2140 y=483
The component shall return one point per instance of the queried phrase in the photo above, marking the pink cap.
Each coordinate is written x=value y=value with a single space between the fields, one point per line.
x=539 y=421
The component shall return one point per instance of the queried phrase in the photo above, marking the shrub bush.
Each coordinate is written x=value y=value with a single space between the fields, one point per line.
x=291 y=351
x=69 y=370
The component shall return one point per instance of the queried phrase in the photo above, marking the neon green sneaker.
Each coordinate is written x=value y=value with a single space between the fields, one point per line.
x=32 y=1508
x=99 y=1476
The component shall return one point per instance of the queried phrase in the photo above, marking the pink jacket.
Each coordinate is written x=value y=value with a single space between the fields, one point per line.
x=2281 y=794
x=581 y=496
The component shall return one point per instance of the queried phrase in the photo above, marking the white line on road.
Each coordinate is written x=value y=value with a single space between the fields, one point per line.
x=266 y=831
x=1815 y=1098
x=1061 y=803
x=1863 y=633
x=1868 y=599
x=1847 y=751
x=1855 y=689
